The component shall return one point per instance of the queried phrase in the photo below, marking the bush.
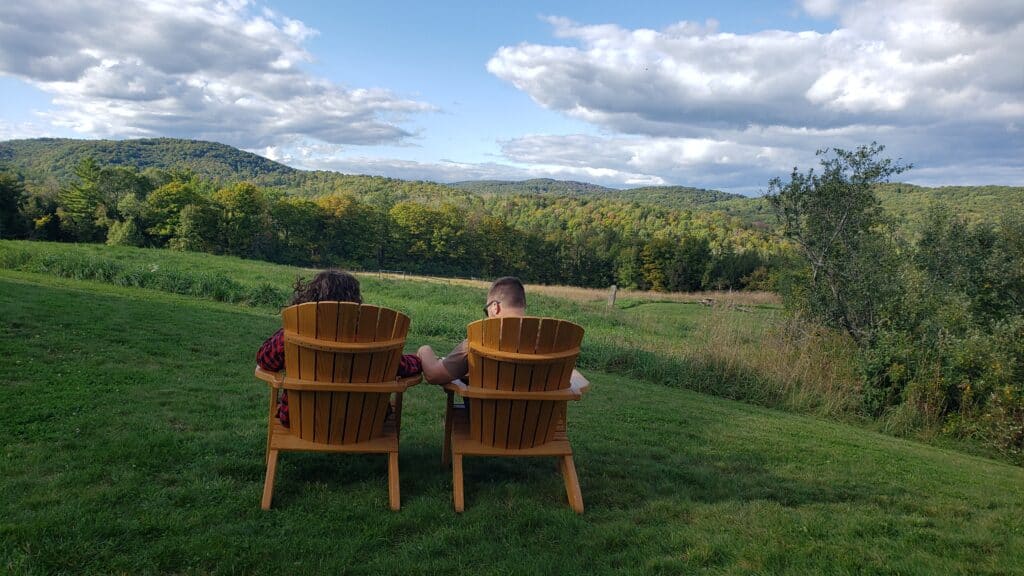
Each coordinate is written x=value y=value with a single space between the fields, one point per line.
x=939 y=323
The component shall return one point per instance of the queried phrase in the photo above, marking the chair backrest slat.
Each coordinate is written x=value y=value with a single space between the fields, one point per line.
x=326 y=329
x=520 y=423
x=341 y=417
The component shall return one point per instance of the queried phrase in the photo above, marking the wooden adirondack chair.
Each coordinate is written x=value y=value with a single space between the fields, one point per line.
x=521 y=375
x=341 y=362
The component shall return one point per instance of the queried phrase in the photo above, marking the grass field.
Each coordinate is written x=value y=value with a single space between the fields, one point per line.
x=719 y=349
x=134 y=436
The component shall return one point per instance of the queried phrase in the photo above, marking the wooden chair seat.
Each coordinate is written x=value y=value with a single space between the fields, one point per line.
x=464 y=444
x=284 y=441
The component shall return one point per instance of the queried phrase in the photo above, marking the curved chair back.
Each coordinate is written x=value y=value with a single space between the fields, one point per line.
x=520 y=355
x=330 y=348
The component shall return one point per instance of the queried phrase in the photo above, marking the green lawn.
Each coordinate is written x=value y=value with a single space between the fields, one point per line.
x=134 y=436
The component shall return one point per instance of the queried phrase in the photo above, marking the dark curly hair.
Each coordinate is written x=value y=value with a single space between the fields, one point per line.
x=330 y=285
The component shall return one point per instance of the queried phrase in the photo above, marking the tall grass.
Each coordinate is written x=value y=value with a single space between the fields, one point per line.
x=762 y=356
x=157 y=275
x=803 y=367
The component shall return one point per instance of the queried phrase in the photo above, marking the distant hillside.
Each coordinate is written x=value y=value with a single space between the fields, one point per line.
x=751 y=210
x=975 y=203
x=39 y=160
x=534 y=186
x=50 y=162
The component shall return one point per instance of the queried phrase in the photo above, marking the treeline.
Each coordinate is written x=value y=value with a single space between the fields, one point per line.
x=643 y=246
x=379 y=223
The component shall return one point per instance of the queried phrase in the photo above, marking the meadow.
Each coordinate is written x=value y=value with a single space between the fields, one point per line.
x=671 y=339
x=135 y=435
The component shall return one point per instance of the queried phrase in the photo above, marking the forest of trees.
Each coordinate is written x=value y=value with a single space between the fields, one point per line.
x=194 y=195
x=380 y=223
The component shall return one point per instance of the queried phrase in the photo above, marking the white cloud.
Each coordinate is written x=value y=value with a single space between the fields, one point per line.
x=450 y=171
x=219 y=71
x=821 y=8
x=940 y=81
x=696 y=161
x=12 y=130
x=891 y=65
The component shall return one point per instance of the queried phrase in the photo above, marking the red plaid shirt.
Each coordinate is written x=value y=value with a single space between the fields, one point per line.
x=270 y=357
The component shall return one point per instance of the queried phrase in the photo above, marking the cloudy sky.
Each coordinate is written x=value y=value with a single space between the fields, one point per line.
x=717 y=95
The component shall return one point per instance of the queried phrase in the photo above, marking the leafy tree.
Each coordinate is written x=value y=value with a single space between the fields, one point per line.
x=13 y=223
x=300 y=228
x=116 y=182
x=688 y=264
x=836 y=223
x=196 y=229
x=628 y=266
x=164 y=206
x=350 y=227
x=245 y=221
x=125 y=233
x=657 y=258
x=733 y=270
x=79 y=202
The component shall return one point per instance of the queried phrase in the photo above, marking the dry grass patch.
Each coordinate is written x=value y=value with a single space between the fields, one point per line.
x=577 y=294
x=808 y=368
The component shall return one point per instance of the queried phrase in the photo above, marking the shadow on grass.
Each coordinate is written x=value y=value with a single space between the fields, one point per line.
x=613 y=478
x=623 y=478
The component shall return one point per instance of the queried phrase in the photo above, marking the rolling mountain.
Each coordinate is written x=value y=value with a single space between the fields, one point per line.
x=51 y=161
x=44 y=158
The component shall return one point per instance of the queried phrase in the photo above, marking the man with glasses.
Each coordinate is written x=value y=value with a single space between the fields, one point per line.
x=506 y=298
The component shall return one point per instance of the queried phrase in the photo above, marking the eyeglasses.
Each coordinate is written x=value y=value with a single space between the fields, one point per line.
x=488 y=307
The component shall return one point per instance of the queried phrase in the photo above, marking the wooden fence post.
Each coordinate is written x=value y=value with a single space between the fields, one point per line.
x=611 y=295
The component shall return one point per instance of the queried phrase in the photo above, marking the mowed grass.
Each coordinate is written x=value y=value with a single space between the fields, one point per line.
x=134 y=437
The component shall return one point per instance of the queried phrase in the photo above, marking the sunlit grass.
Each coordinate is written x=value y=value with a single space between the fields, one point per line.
x=134 y=437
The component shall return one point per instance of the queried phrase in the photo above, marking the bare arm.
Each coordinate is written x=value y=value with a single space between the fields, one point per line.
x=433 y=370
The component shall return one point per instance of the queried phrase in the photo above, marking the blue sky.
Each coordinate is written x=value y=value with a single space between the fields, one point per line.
x=721 y=95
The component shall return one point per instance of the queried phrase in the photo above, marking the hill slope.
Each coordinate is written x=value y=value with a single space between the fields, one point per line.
x=50 y=162
x=43 y=158
x=132 y=454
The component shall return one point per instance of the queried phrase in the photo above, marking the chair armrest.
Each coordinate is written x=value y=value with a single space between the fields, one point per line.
x=410 y=381
x=273 y=378
x=397 y=385
x=456 y=386
x=277 y=380
x=578 y=386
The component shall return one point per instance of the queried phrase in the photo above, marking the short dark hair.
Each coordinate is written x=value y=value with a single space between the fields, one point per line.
x=329 y=285
x=509 y=290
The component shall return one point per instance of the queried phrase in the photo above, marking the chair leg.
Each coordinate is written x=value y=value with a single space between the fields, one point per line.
x=460 y=503
x=572 y=483
x=446 y=452
x=268 y=483
x=394 y=497
x=270 y=420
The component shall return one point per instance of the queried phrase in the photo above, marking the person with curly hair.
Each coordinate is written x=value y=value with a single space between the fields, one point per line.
x=327 y=286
